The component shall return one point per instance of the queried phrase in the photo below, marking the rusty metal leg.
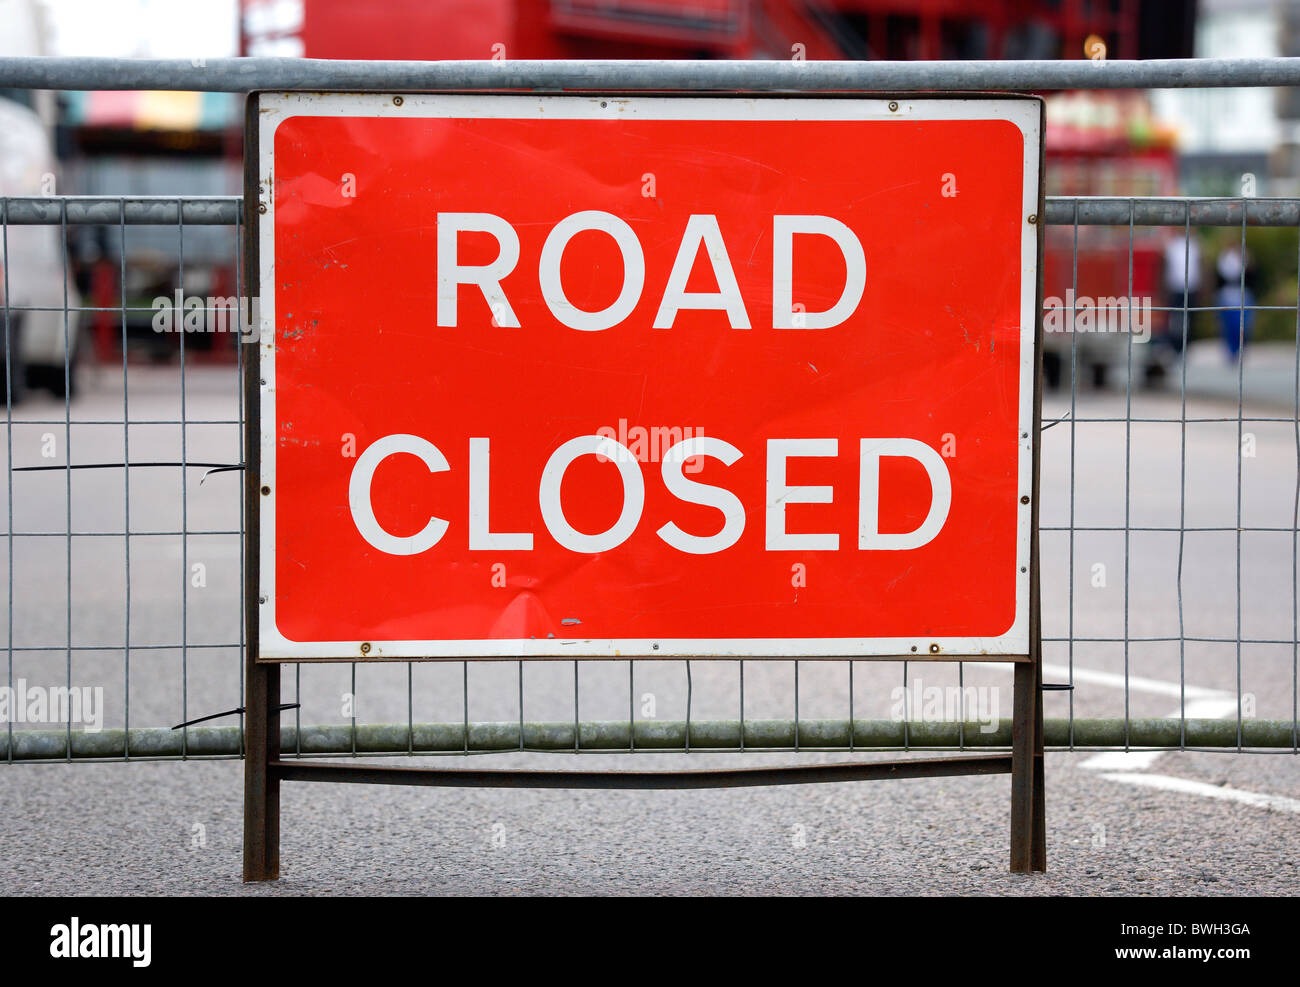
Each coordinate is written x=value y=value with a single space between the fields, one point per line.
x=1028 y=795
x=261 y=786
x=1022 y=766
x=261 y=681
x=1038 y=835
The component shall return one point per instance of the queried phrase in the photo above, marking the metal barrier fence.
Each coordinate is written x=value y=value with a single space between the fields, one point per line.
x=190 y=414
x=124 y=551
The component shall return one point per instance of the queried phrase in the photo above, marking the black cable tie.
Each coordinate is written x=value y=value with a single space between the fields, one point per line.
x=1056 y=687
x=229 y=712
x=1058 y=421
x=217 y=469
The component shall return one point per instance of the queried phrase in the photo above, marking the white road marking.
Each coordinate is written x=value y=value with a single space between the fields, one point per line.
x=1186 y=786
x=1126 y=767
x=1116 y=680
x=1121 y=760
x=1201 y=709
x=1201 y=703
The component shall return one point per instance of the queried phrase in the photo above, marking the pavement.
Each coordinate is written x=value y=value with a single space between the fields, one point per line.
x=125 y=829
x=1136 y=823
x=1266 y=375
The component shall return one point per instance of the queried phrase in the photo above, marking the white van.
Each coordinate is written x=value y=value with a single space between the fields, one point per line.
x=33 y=264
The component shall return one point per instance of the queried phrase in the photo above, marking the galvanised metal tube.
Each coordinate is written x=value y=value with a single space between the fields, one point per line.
x=224 y=210
x=1172 y=212
x=706 y=735
x=245 y=74
x=111 y=210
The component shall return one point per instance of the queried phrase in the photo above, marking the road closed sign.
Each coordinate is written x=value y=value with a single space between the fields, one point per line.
x=593 y=376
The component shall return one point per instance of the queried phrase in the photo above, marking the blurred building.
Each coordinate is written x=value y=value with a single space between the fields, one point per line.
x=1286 y=161
x=1228 y=138
x=152 y=144
x=26 y=31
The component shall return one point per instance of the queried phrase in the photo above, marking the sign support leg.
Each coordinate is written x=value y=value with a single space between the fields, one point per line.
x=1028 y=816
x=261 y=680
x=261 y=785
x=1038 y=846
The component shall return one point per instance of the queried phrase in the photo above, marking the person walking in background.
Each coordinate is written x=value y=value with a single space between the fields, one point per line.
x=1182 y=281
x=1234 y=298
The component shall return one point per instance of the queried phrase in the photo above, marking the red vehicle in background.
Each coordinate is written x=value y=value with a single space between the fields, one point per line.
x=1098 y=143
x=1104 y=144
x=902 y=30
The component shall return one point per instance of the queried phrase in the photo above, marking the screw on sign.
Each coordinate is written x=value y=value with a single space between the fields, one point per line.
x=645 y=409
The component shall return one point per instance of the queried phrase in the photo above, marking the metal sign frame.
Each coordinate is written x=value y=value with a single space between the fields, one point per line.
x=277 y=108
x=265 y=769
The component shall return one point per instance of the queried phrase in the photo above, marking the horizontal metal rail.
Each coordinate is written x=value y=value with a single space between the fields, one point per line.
x=626 y=75
x=809 y=774
x=227 y=210
x=715 y=736
x=143 y=210
x=1171 y=211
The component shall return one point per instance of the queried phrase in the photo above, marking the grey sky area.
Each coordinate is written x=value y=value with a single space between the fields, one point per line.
x=143 y=28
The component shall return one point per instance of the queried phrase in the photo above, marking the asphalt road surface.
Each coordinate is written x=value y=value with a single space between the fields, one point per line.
x=1135 y=823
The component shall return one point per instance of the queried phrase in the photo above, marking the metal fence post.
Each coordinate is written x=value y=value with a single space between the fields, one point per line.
x=1028 y=797
x=262 y=680
x=1038 y=834
x=261 y=786
x=1028 y=831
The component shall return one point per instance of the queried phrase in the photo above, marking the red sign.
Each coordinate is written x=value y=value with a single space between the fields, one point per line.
x=581 y=376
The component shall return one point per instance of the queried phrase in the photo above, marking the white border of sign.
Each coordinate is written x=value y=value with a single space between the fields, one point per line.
x=275 y=108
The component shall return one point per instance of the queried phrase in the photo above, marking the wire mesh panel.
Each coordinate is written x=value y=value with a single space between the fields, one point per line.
x=1177 y=528
x=124 y=516
x=1169 y=524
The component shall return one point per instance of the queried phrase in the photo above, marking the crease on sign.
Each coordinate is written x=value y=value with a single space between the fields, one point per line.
x=884 y=191
x=701 y=156
x=899 y=578
x=328 y=249
x=519 y=151
x=524 y=616
x=949 y=394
